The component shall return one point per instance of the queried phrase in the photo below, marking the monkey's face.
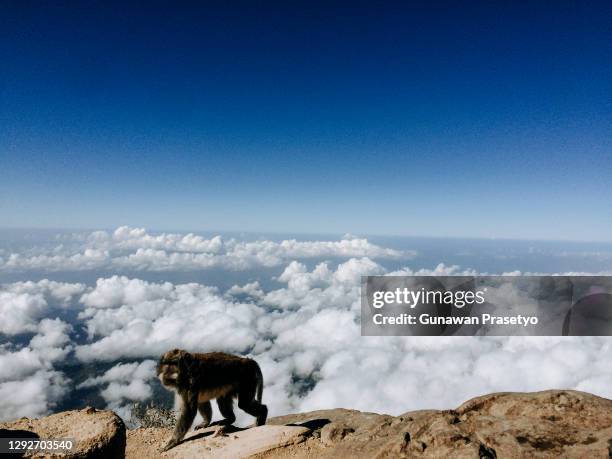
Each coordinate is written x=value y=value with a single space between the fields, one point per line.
x=168 y=368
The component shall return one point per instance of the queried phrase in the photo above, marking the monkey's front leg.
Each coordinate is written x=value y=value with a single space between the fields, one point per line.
x=189 y=404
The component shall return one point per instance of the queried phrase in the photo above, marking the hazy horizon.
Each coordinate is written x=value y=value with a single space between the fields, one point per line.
x=295 y=234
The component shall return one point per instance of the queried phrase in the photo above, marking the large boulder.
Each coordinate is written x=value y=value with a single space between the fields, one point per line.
x=96 y=434
x=547 y=424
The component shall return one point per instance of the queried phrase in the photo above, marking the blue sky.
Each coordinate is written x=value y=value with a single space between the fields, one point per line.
x=406 y=118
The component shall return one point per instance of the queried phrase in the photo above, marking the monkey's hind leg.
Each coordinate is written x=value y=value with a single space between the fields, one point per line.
x=248 y=404
x=206 y=412
x=226 y=407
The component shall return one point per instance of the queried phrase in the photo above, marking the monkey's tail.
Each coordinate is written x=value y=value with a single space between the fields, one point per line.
x=260 y=383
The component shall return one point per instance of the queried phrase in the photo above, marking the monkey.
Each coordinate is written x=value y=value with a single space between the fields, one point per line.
x=199 y=378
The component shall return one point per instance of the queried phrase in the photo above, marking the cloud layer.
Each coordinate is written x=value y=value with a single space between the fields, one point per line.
x=29 y=385
x=305 y=334
x=134 y=249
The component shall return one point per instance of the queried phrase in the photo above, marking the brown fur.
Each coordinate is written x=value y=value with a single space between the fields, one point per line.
x=199 y=378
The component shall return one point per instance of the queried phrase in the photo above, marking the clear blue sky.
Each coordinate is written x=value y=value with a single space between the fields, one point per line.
x=487 y=119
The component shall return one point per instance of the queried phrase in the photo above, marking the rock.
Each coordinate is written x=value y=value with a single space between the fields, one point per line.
x=234 y=443
x=547 y=424
x=96 y=434
x=334 y=432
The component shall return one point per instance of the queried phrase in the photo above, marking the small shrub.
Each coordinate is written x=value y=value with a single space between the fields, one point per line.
x=150 y=415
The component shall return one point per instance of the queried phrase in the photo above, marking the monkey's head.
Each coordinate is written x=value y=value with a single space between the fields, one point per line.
x=173 y=368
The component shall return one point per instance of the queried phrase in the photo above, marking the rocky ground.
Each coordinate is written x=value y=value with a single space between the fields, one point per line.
x=548 y=424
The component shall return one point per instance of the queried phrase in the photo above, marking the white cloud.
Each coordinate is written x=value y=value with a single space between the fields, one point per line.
x=252 y=290
x=138 y=318
x=138 y=238
x=32 y=395
x=135 y=249
x=29 y=385
x=52 y=342
x=88 y=259
x=20 y=312
x=60 y=291
x=119 y=290
x=24 y=304
x=17 y=365
x=123 y=382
